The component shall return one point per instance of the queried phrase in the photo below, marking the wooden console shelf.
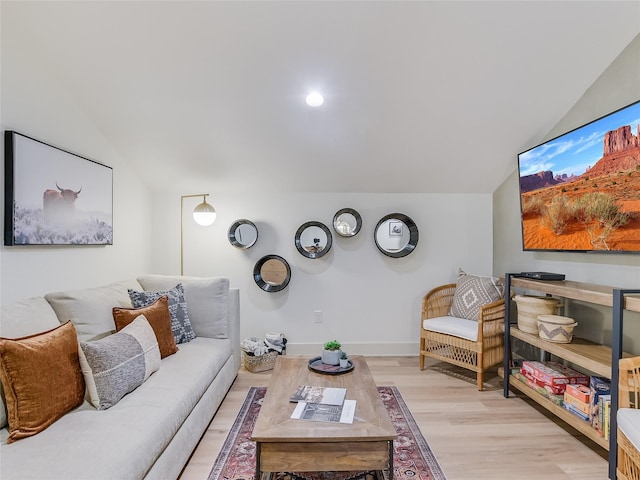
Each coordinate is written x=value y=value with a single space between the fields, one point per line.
x=583 y=427
x=592 y=356
x=586 y=292
x=598 y=359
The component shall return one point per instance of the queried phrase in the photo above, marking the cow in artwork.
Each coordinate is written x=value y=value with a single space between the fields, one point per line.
x=59 y=205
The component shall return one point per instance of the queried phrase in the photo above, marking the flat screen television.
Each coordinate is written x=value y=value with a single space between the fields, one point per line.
x=580 y=191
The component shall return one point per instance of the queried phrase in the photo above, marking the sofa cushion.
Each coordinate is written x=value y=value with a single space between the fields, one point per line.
x=472 y=292
x=42 y=379
x=207 y=301
x=118 y=364
x=21 y=319
x=458 y=327
x=158 y=317
x=180 y=323
x=90 y=308
x=629 y=424
x=124 y=441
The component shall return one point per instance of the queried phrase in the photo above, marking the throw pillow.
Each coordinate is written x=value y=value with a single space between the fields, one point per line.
x=180 y=323
x=157 y=314
x=41 y=378
x=207 y=301
x=20 y=319
x=118 y=364
x=472 y=292
x=90 y=308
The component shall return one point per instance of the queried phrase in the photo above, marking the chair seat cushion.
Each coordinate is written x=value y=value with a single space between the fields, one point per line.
x=629 y=424
x=458 y=327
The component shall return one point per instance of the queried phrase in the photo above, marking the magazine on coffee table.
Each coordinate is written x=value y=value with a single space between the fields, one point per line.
x=325 y=395
x=320 y=412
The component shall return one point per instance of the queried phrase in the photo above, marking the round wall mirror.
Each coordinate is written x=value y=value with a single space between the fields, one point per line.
x=347 y=222
x=272 y=273
x=396 y=235
x=313 y=239
x=243 y=234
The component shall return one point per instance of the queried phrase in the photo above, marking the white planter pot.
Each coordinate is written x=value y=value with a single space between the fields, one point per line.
x=331 y=357
x=344 y=363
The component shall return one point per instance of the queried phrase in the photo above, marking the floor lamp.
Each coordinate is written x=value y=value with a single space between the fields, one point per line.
x=204 y=214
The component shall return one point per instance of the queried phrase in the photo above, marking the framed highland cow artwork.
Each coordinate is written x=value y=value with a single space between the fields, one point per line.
x=54 y=197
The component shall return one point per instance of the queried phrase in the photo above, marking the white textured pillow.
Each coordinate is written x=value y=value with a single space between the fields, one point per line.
x=90 y=308
x=472 y=292
x=207 y=301
x=118 y=364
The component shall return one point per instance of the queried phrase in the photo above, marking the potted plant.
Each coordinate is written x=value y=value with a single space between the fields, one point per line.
x=331 y=353
x=344 y=360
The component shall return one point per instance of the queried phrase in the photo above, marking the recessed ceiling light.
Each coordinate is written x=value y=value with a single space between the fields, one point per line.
x=314 y=99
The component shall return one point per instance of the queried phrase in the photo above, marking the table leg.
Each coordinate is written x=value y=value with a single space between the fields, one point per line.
x=257 y=477
x=390 y=459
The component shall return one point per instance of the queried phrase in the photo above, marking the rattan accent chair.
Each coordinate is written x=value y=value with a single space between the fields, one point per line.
x=628 y=417
x=476 y=355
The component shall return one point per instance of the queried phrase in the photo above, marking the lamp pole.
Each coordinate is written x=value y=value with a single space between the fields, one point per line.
x=204 y=202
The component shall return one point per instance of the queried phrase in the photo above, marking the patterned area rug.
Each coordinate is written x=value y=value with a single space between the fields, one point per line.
x=412 y=457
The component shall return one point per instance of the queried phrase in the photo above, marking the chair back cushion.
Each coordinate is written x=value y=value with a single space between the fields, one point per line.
x=472 y=292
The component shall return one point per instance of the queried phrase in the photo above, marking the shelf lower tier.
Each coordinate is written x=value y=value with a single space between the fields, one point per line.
x=566 y=416
x=588 y=355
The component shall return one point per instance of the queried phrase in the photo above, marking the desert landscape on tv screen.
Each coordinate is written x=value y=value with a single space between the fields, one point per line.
x=581 y=191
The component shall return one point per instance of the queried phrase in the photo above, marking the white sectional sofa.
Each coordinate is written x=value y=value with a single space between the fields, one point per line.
x=152 y=431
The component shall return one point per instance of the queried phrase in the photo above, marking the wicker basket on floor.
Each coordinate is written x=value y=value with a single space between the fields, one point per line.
x=260 y=363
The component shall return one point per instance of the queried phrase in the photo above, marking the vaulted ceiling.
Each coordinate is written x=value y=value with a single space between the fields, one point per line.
x=421 y=96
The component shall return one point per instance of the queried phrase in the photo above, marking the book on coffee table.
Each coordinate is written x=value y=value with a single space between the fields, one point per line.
x=323 y=395
x=320 y=412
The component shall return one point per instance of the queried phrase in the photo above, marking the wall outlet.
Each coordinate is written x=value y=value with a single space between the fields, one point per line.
x=317 y=316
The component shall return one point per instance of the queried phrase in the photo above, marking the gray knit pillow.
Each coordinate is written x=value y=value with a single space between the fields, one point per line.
x=472 y=292
x=118 y=364
x=180 y=322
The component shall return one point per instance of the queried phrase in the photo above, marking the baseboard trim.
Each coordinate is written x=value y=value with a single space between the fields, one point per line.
x=397 y=349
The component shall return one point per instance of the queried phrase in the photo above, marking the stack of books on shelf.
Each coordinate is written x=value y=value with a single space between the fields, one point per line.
x=600 y=391
x=323 y=404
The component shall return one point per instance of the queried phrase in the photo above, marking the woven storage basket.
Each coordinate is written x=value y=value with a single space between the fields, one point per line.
x=556 y=328
x=530 y=306
x=261 y=363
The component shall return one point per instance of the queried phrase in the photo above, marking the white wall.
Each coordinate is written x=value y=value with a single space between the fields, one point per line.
x=618 y=86
x=35 y=104
x=370 y=302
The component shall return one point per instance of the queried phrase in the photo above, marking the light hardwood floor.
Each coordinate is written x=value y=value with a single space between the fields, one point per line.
x=474 y=435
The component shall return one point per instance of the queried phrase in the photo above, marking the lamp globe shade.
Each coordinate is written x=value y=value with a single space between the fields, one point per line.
x=204 y=214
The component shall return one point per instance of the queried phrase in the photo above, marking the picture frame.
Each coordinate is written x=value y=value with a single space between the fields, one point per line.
x=54 y=197
x=395 y=228
x=578 y=191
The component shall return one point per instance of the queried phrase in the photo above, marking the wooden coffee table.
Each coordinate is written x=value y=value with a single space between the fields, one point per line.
x=287 y=445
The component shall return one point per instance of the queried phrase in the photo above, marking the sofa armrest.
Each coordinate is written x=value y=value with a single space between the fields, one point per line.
x=233 y=326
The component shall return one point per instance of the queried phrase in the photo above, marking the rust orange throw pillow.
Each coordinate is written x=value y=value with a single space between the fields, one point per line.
x=157 y=314
x=41 y=378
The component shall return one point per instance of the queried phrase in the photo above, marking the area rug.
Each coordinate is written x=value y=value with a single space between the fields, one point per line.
x=412 y=457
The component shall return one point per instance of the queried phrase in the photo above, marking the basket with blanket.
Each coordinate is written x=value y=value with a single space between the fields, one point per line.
x=259 y=355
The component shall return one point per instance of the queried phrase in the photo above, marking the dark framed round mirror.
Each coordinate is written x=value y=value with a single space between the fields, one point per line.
x=313 y=239
x=272 y=273
x=243 y=234
x=347 y=222
x=396 y=235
